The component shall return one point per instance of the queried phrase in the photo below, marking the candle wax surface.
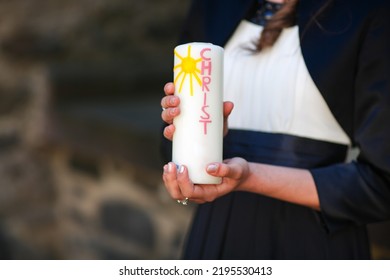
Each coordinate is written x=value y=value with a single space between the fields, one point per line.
x=198 y=137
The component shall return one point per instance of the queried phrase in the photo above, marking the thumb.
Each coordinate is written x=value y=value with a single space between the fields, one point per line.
x=224 y=170
x=227 y=108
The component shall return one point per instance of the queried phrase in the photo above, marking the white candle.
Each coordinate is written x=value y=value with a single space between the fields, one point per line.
x=198 y=137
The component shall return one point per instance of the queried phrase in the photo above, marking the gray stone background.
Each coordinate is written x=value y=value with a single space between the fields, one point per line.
x=80 y=169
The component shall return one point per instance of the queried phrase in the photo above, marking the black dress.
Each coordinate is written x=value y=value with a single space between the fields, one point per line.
x=245 y=225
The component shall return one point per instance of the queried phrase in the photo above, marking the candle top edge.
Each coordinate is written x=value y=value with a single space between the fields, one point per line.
x=199 y=44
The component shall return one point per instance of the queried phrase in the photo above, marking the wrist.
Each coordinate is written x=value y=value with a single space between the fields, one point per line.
x=252 y=181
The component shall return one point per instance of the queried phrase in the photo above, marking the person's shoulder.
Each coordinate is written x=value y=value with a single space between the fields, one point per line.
x=366 y=6
x=364 y=10
x=371 y=3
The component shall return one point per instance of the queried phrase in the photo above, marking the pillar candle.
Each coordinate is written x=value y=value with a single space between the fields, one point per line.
x=198 y=137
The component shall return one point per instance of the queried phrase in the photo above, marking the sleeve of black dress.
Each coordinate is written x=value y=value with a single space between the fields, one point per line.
x=358 y=193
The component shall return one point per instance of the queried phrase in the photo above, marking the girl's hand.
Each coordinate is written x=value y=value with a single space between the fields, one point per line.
x=227 y=109
x=233 y=172
x=170 y=105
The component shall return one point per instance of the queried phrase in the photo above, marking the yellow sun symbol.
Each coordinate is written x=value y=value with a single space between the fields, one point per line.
x=188 y=67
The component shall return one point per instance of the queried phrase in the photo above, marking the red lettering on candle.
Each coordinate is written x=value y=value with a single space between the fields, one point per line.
x=202 y=54
x=206 y=67
x=205 y=123
x=206 y=80
x=206 y=62
x=205 y=119
x=207 y=115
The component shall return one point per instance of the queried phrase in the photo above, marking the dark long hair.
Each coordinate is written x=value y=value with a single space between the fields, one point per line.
x=285 y=17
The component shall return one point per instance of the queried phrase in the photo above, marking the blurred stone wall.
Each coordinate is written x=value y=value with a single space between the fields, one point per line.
x=80 y=169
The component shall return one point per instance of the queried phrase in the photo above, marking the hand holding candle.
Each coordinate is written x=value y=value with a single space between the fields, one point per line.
x=198 y=137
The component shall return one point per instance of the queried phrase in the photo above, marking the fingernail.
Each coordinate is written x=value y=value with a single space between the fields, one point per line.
x=172 y=101
x=181 y=169
x=170 y=167
x=165 y=168
x=173 y=111
x=212 y=167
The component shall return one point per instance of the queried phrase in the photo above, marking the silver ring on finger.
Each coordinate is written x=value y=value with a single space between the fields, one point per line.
x=183 y=202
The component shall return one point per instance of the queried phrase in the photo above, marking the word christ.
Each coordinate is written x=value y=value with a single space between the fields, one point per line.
x=206 y=80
